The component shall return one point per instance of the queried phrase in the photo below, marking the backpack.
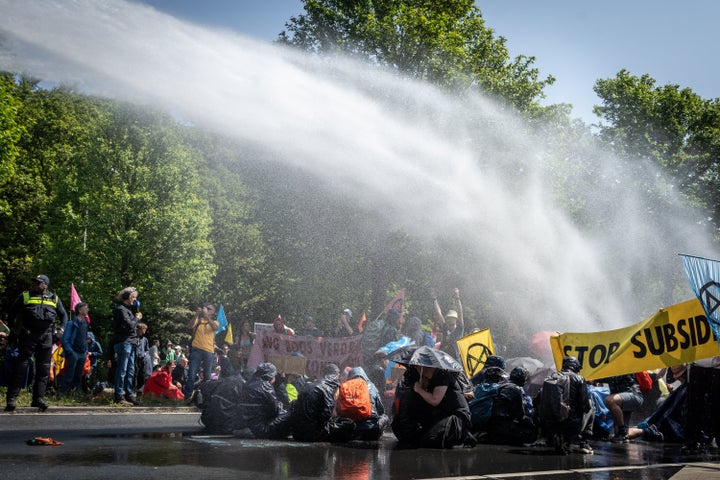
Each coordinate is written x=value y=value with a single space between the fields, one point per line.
x=353 y=400
x=220 y=404
x=372 y=338
x=481 y=406
x=644 y=380
x=554 y=404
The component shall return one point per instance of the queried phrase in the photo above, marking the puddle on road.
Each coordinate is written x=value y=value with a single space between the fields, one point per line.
x=264 y=459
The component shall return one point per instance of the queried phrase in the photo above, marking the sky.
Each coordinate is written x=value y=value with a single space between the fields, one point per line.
x=577 y=42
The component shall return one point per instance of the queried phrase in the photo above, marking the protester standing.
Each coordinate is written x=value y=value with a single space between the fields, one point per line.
x=452 y=326
x=125 y=345
x=202 y=346
x=75 y=348
x=32 y=321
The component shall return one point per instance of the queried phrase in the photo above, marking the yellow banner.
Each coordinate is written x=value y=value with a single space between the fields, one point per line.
x=674 y=335
x=474 y=350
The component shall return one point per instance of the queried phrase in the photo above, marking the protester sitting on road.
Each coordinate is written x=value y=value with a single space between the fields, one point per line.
x=179 y=372
x=668 y=421
x=312 y=417
x=511 y=419
x=261 y=410
x=373 y=427
x=484 y=395
x=572 y=432
x=490 y=361
x=625 y=396
x=431 y=410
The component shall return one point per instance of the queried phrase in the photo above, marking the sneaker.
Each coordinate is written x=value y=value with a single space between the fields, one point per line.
x=135 y=402
x=621 y=436
x=124 y=403
x=652 y=434
x=40 y=404
x=10 y=407
x=582 y=447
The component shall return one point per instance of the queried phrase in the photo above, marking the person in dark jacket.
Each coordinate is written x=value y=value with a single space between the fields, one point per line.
x=262 y=411
x=312 y=418
x=511 y=421
x=32 y=320
x=125 y=343
x=95 y=352
x=572 y=433
x=75 y=347
x=431 y=410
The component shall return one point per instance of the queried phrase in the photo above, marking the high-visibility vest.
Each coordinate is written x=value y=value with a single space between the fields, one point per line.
x=42 y=300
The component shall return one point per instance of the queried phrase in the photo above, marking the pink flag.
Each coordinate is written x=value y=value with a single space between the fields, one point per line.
x=75 y=299
x=397 y=303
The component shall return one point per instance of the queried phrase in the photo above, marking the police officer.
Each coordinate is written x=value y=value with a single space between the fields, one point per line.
x=36 y=317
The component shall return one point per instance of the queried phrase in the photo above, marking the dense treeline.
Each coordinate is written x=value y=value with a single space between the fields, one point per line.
x=106 y=194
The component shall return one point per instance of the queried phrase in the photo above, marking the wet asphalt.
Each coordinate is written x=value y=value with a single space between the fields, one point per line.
x=158 y=443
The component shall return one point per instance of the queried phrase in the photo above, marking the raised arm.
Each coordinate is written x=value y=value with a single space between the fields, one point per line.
x=461 y=321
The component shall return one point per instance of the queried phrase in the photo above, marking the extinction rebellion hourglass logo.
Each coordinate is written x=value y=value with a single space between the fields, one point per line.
x=710 y=297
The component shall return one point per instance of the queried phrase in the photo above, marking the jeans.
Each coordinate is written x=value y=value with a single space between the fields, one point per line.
x=198 y=357
x=124 y=370
x=74 y=365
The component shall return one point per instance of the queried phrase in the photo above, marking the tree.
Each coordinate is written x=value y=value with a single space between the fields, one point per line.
x=669 y=126
x=131 y=209
x=18 y=212
x=446 y=43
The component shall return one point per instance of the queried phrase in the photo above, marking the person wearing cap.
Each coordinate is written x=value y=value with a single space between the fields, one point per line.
x=32 y=321
x=125 y=342
x=345 y=326
x=451 y=325
x=309 y=329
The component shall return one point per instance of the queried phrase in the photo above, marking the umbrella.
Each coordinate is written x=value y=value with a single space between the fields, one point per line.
x=528 y=363
x=536 y=379
x=540 y=344
x=425 y=356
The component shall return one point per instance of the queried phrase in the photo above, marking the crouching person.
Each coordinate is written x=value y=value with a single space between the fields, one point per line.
x=312 y=417
x=511 y=421
x=431 y=410
x=565 y=409
x=359 y=400
x=262 y=411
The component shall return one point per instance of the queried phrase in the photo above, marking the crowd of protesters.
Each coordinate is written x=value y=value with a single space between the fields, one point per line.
x=428 y=405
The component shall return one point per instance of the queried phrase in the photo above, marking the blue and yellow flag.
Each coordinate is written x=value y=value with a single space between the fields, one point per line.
x=222 y=320
x=704 y=277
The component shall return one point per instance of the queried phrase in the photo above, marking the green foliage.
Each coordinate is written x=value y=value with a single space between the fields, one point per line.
x=669 y=126
x=446 y=43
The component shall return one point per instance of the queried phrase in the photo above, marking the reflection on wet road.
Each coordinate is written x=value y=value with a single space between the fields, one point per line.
x=149 y=446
